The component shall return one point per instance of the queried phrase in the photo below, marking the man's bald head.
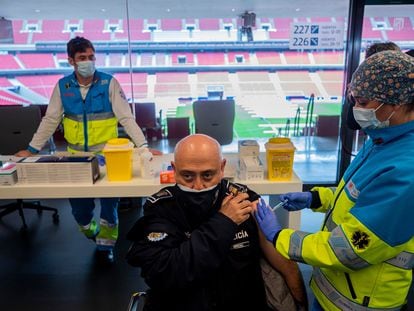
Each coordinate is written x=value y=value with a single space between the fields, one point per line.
x=198 y=162
x=199 y=145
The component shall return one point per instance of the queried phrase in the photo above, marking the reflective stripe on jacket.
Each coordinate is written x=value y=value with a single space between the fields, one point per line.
x=364 y=253
x=90 y=123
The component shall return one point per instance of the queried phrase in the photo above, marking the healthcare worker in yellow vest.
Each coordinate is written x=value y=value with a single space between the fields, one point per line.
x=363 y=255
x=90 y=104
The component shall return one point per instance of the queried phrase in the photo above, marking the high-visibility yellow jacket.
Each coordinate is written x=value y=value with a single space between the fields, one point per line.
x=88 y=123
x=364 y=253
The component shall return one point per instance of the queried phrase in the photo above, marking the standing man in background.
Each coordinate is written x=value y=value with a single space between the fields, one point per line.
x=90 y=104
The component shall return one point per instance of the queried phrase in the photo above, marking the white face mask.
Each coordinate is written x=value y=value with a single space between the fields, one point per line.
x=367 y=118
x=86 y=68
x=188 y=189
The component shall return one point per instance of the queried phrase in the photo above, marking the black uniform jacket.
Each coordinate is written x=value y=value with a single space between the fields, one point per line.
x=197 y=261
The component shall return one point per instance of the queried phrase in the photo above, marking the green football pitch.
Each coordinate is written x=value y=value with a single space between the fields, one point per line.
x=248 y=126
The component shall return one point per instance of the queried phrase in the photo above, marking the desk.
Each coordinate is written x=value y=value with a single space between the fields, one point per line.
x=138 y=187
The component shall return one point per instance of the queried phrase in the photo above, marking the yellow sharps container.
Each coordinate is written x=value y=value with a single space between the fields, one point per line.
x=279 y=157
x=118 y=159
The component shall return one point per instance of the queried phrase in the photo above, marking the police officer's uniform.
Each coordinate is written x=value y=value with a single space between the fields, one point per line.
x=195 y=258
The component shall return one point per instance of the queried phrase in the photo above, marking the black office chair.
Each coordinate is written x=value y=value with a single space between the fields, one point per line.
x=215 y=118
x=17 y=126
x=146 y=118
x=137 y=301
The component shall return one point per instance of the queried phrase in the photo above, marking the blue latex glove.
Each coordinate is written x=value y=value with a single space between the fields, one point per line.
x=101 y=159
x=296 y=200
x=267 y=220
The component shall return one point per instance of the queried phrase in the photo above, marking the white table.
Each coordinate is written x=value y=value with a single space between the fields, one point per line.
x=138 y=187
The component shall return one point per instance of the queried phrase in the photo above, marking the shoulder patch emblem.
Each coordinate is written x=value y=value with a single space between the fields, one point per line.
x=162 y=194
x=360 y=240
x=352 y=189
x=156 y=236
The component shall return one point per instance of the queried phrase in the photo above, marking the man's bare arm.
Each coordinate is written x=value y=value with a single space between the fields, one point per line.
x=289 y=270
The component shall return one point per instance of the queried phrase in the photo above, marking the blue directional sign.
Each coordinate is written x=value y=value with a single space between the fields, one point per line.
x=314 y=28
x=314 y=36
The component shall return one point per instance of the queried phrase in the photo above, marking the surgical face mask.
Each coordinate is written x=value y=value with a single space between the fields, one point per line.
x=198 y=205
x=188 y=189
x=86 y=68
x=367 y=118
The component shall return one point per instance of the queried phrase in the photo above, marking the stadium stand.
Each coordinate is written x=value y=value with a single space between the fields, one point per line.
x=296 y=58
x=136 y=30
x=238 y=57
x=9 y=98
x=402 y=29
x=134 y=59
x=51 y=30
x=228 y=23
x=260 y=76
x=329 y=57
x=255 y=82
x=122 y=34
x=115 y=59
x=168 y=83
x=19 y=36
x=7 y=61
x=37 y=60
x=294 y=76
x=331 y=75
x=41 y=84
x=210 y=58
x=300 y=89
x=94 y=30
x=172 y=85
x=182 y=58
x=171 y=24
x=146 y=59
x=160 y=59
x=62 y=60
x=368 y=32
x=282 y=29
x=100 y=60
x=268 y=58
x=178 y=89
x=209 y=24
x=211 y=77
x=139 y=83
x=172 y=77
x=4 y=82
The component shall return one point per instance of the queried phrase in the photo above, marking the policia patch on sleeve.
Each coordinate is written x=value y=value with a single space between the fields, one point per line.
x=162 y=194
x=360 y=240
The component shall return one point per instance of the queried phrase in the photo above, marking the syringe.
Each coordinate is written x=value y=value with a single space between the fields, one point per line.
x=280 y=204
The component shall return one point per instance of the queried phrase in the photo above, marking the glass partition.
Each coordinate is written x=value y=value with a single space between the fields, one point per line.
x=282 y=65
